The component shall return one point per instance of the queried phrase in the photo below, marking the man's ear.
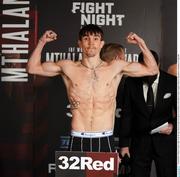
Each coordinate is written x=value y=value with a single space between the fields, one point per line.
x=79 y=44
x=102 y=43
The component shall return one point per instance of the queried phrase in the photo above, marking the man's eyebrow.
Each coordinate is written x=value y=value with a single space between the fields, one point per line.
x=97 y=34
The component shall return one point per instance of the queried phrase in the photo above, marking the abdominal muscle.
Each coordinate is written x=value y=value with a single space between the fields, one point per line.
x=95 y=112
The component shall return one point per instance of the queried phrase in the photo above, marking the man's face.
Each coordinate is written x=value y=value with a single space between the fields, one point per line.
x=91 y=44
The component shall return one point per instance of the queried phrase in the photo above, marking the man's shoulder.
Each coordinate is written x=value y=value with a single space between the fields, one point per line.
x=168 y=80
x=168 y=76
x=118 y=65
x=119 y=62
x=66 y=62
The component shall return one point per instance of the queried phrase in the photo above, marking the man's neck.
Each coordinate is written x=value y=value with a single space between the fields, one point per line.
x=92 y=62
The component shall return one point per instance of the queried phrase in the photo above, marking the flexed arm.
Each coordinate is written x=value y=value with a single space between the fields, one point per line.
x=149 y=67
x=35 y=66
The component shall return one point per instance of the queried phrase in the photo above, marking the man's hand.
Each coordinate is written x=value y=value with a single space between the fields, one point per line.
x=48 y=36
x=124 y=150
x=133 y=38
x=167 y=130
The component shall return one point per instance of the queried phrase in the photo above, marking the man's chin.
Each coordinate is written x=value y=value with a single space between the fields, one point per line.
x=91 y=54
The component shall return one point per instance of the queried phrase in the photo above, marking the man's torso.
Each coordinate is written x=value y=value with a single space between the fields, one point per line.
x=94 y=94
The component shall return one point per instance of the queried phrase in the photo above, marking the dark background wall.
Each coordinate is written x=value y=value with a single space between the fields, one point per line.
x=169 y=33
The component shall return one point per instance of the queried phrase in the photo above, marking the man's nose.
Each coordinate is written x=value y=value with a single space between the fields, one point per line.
x=91 y=41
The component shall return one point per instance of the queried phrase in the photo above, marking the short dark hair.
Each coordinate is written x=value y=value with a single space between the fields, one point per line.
x=110 y=51
x=91 y=29
x=141 y=57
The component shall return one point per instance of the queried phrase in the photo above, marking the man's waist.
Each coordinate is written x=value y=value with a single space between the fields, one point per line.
x=92 y=134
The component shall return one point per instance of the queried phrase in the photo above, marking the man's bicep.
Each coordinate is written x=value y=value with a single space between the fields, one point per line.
x=135 y=70
x=50 y=69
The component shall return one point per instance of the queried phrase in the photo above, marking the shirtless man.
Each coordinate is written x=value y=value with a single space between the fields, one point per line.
x=91 y=86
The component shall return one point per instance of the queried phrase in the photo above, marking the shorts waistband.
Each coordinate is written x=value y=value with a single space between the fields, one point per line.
x=91 y=134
